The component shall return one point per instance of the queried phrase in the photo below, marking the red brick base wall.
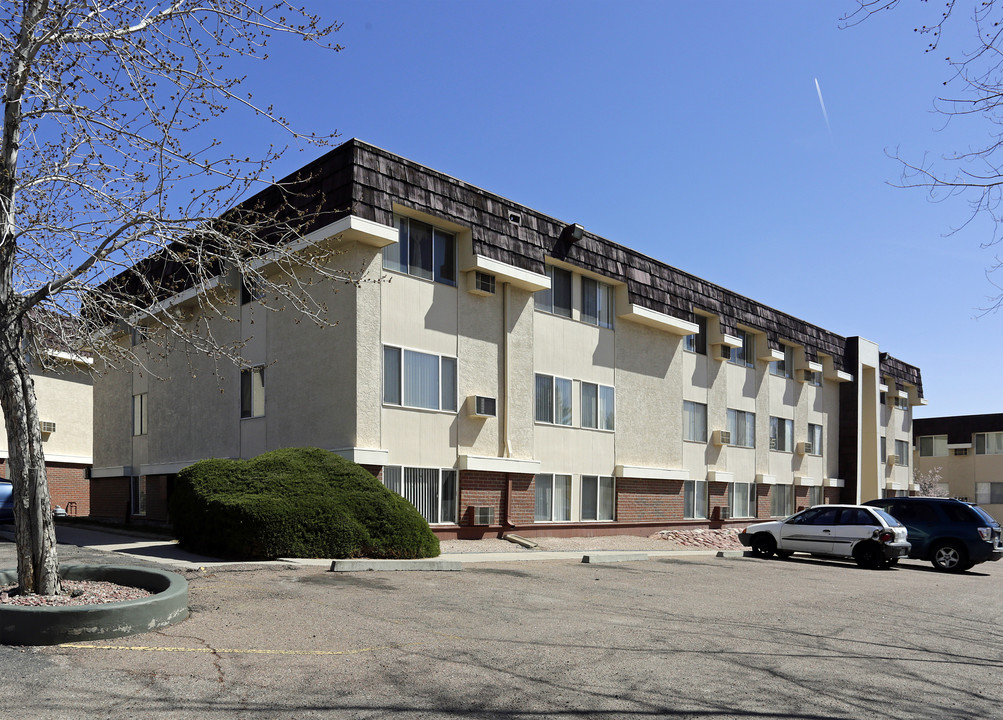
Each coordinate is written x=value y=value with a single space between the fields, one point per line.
x=69 y=487
x=648 y=501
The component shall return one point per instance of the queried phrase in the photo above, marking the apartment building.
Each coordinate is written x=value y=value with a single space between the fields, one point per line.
x=507 y=371
x=968 y=450
x=65 y=402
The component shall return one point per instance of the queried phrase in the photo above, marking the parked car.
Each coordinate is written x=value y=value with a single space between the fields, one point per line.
x=869 y=535
x=951 y=534
x=6 y=502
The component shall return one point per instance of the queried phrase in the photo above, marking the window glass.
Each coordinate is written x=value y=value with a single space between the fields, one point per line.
x=544 y=398
x=989 y=443
x=252 y=392
x=902 y=452
x=607 y=407
x=697 y=342
x=695 y=499
x=562 y=401
x=448 y=384
x=742 y=426
x=933 y=446
x=420 y=249
x=597 y=497
x=742 y=500
x=825 y=516
x=421 y=380
x=590 y=405
x=553 y=498
x=785 y=367
x=556 y=299
x=744 y=355
x=395 y=255
x=815 y=438
x=781 y=434
x=432 y=491
x=140 y=414
x=694 y=421
x=391 y=375
x=597 y=303
x=445 y=257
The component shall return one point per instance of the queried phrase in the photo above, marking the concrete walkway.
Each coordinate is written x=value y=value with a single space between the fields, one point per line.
x=168 y=552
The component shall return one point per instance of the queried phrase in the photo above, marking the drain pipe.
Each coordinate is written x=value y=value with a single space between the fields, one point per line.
x=506 y=444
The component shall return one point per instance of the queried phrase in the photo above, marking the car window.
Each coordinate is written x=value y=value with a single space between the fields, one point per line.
x=803 y=518
x=826 y=516
x=916 y=513
x=957 y=512
x=984 y=515
x=889 y=520
x=856 y=516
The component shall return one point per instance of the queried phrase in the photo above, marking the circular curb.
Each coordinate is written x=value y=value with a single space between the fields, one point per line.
x=34 y=625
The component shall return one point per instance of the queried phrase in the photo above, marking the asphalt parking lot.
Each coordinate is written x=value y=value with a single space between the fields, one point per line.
x=698 y=637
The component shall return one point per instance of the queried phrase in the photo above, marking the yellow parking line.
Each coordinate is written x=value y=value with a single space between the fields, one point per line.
x=142 y=648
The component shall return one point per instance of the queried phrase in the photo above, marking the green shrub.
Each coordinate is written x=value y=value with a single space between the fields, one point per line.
x=294 y=502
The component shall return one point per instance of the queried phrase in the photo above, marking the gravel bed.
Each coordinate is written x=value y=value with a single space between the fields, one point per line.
x=76 y=592
x=724 y=539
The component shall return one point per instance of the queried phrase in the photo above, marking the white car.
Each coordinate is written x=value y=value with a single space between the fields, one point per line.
x=869 y=535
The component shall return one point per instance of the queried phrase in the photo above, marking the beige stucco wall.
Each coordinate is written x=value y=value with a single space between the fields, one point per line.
x=65 y=397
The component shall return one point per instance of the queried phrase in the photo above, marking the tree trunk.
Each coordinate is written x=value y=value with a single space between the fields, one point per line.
x=37 y=566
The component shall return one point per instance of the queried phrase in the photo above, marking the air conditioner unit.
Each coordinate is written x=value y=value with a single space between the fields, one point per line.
x=892 y=459
x=47 y=427
x=724 y=513
x=484 y=515
x=482 y=407
x=805 y=448
x=721 y=437
x=773 y=443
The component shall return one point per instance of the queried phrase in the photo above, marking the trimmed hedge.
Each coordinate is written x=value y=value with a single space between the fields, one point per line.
x=294 y=502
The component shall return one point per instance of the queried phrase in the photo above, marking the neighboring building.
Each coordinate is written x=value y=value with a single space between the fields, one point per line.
x=514 y=372
x=969 y=451
x=65 y=410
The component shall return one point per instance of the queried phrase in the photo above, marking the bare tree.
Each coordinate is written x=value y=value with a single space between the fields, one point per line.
x=106 y=209
x=976 y=84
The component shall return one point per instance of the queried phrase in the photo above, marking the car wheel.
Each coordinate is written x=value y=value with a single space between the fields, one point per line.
x=949 y=557
x=763 y=545
x=868 y=555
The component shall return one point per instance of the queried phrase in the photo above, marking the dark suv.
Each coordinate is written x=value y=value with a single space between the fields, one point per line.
x=951 y=534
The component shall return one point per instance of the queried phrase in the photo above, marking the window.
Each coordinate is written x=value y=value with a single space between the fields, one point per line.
x=597 y=497
x=597 y=303
x=557 y=299
x=697 y=342
x=694 y=421
x=598 y=406
x=742 y=500
x=989 y=493
x=742 y=426
x=432 y=491
x=250 y=290
x=137 y=494
x=695 y=499
x=782 y=500
x=884 y=449
x=901 y=452
x=252 y=392
x=815 y=439
x=902 y=403
x=781 y=434
x=553 y=400
x=422 y=251
x=744 y=355
x=989 y=443
x=785 y=367
x=418 y=380
x=813 y=377
x=553 y=498
x=960 y=452
x=816 y=496
x=484 y=282
x=140 y=414
x=933 y=446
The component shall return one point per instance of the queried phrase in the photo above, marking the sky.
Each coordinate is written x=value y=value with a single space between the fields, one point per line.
x=694 y=133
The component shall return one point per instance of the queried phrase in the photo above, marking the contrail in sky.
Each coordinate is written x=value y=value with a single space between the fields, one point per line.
x=822 y=103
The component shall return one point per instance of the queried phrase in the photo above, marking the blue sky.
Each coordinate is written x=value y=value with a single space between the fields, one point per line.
x=692 y=132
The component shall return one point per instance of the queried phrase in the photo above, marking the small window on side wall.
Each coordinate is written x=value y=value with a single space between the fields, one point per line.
x=252 y=392
x=697 y=342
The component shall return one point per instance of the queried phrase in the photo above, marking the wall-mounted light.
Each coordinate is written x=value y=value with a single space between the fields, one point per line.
x=573 y=233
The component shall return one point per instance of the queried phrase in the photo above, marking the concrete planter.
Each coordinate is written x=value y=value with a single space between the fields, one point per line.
x=51 y=625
